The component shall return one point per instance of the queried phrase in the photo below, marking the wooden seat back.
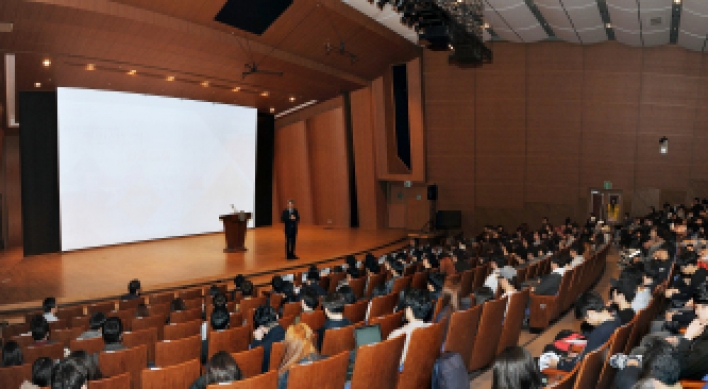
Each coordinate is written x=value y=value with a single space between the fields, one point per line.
x=488 y=333
x=14 y=376
x=286 y=321
x=105 y=307
x=590 y=368
x=466 y=282
x=24 y=340
x=616 y=345
x=480 y=275
x=423 y=350
x=147 y=337
x=515 y=312
x=462 y=332
x=185 y=316
x=181 y=375
x=174 y=331
x=419 y=280
x=315 y=319
x=141 y=323
x=66 y=336
x=130 y=304
x=356 y=312
x=132 y=360
x=120 y=381
x=91 y=346
x=358 y=285
x=263 y=381
x=192 y=293
x=250 y=361
x=252 y=303
x=326 y=373
x=161 y=298
x=32 y=353
x=334 y=279
x=126 y=317
x=174 y=352
x=159 y=309
x=376 y=365
x=388 y=323
x=337 y=340
x=383 y=305
x=15 y=330
x=66 y=313
x=374 y=281
x=277 y=350
x=400 y=284
x=232 y=340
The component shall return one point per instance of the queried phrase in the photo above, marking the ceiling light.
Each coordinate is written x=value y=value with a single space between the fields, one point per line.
x=292 y=99
x=170 y=78
x=37 y=84
x=608 y=25
x=47 y=63
x=132 y=72
x=90 y=67
x=236 y=89
x=205 y=84
x=272 y=109
x=486 y=26
x=264 y=94
x=677 y=1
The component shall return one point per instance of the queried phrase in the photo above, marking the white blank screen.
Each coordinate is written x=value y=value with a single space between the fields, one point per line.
x=135 y=167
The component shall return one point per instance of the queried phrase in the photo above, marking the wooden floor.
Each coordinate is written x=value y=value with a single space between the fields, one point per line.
x=105 y=272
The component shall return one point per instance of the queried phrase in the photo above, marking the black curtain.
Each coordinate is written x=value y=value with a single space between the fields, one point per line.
x=400 y=100
x=40 y=173
x=265 y=146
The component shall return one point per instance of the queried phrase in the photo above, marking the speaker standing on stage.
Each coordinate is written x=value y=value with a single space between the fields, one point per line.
x=290 y=217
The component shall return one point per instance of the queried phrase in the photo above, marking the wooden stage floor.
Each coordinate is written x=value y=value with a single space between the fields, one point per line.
x=105 y=272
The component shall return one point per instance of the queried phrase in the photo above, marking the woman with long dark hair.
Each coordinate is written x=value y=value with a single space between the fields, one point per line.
x=514 y=368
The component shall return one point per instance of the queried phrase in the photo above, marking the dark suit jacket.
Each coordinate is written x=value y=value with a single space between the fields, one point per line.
x=290 y=225
x=276 y=334
x=693 y=356
x=549 y=285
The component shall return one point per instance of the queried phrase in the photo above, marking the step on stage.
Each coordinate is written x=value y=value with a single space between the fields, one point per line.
x=99 y=273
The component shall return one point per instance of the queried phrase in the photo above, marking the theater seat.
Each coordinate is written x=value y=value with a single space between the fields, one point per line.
x=315 y=319
x=326 y=373
x=388 y=323
x=488 y=333
x=376 y=365
x=174 y=352
x=185 y=316
x=142 y=323
x=383 y=305
x=147 y=337
x=91 y=346
x=462 y=332
x=132 y=360
x=66 y=336
x=356 y=312
x=513 y=322
x=177 y=376
x=232 y=340
x=54 y=351
x=423 y=350
x=12 y=377
x=182 y=330
x=374 y=281
x=337 y=340
x=277 y=350
x=250 y=362
x=121 y=381
x=262 y=381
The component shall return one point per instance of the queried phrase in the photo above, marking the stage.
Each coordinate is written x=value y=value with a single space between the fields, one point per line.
x=104 y=272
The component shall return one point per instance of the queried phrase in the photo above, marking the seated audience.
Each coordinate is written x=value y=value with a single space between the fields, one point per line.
x=515 y=368
x=50 y=309
x=238 y=282
x=11 y=354
x=333 y=304
x=482 y=295
x=417 y=307
x=396 y=269
x=177 y=305
x=576 y=255
x=299 y=350
x=309 y=300
x=590 y=308
x=347 y=293
x=550 y=283
x=40 y=330
x=247 y=289
x=41 y=374
x=113 y=334
x=133 y=291
x=95 y=325
x=219 y=321
x=313 y=281
x=267 y=331
x=378 y=291
x=435 y=284
x=221 y=369
x=660 y=362
x=68 y=374
x=622 y=294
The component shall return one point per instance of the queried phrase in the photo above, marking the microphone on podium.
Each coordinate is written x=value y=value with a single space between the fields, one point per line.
x=233 y=208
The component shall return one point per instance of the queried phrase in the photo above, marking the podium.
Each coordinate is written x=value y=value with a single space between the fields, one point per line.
x=235 y=226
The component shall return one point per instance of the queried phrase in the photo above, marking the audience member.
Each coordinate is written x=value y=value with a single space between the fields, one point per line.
x=95 y=325
x=113 y=334
x=313 y=281
x=417 y=308
x=396 y=269
x=267 y=331
x=660 y=363
x=68 y=374
x=133 y=291
x=219 y=321
x=41 y=374
x=49 y=305
x=622 y=294
x=221 y=369
x=550 y=283
x=299 y=349
x=247 y=289
x=482 y=295
x=11 y=354
x=89 y=364
x=515 y=368
x=333 y=304
x=40 y=330
x=435 y=284
x=347 y=293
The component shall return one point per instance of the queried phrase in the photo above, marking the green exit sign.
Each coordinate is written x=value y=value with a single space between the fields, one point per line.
x=607 y=185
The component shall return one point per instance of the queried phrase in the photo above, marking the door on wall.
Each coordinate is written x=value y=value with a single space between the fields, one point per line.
x=606 y=205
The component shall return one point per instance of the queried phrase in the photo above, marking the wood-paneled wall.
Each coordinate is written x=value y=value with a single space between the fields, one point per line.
x=532 y=133
x=311 y=168
x=12 y=193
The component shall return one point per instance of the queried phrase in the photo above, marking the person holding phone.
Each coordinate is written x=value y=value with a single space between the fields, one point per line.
x=291 y=218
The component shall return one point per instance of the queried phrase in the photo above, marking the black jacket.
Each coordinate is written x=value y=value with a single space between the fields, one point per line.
x=276 y=334
x=549 y=285
x=693 y=356
x=290 y=225
x=596 y=338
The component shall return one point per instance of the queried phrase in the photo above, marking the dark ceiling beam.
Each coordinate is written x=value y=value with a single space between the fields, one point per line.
x=675 y=22
x=539 y=16
x=144 y=16
x=605 y=15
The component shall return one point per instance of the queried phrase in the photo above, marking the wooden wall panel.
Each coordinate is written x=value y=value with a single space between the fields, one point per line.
x=530 y=134
x=371 y=198
x=329 y=178
x=292 y=171
x=12 y=192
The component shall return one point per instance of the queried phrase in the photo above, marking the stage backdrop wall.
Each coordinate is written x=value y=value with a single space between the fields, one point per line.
x=532 y=133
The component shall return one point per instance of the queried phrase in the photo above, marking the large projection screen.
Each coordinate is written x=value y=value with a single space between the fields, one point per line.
x=136 y=167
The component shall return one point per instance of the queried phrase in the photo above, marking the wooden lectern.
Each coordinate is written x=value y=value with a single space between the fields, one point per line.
x=235 y=226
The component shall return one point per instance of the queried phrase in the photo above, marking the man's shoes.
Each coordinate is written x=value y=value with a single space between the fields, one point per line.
x=295 y=257
x=291 y=257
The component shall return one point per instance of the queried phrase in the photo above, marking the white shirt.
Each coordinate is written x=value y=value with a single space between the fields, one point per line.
x=492 y=281
x=407 y=330
x=50 y=317
x=641 y=299
x=577 y=261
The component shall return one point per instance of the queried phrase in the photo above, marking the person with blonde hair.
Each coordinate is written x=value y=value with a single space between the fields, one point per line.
x=299 y=349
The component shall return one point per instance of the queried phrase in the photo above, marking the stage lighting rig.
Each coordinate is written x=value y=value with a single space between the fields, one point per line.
x=452 y=25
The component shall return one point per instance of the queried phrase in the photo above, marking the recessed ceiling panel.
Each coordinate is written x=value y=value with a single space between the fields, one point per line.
x=694 y=24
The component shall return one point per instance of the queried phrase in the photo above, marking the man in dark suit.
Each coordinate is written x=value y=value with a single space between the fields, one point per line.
x=291 y=218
